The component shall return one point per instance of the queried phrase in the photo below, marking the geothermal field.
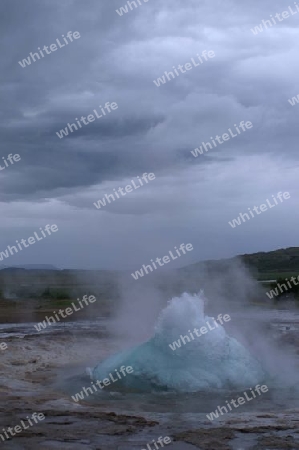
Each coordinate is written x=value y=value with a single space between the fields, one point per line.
x=149 y=259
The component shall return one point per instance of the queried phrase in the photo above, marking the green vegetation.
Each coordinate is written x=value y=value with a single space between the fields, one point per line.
x=294 y=290
x=283 y=262
x=58 y=288
x=57 y=294
x=276 y=275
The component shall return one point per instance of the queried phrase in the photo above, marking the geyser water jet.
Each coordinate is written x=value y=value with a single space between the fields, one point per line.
x=213 y=361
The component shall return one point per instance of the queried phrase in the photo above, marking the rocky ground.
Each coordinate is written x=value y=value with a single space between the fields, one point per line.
x=29 y=372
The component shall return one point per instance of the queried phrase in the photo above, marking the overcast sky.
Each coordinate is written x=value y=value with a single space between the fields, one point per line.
x=154 y=130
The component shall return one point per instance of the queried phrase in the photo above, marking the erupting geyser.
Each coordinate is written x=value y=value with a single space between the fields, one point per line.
x=211 y=361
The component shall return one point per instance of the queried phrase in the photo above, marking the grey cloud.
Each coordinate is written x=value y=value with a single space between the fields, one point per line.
x=154 y=129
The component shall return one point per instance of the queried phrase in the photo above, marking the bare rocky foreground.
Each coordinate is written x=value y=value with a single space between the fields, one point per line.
x=31 y=370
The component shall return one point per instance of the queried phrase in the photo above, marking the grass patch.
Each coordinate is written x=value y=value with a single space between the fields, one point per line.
x=276 y=275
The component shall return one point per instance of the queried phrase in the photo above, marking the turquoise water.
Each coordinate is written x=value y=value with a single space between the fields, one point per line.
x=212 y=361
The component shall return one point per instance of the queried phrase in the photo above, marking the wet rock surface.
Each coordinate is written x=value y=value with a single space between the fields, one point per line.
x=31 y=366
x=207 y=439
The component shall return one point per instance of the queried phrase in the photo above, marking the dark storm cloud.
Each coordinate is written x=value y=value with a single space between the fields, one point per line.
x=50 y=92
x=154 y=129
x=116 y=59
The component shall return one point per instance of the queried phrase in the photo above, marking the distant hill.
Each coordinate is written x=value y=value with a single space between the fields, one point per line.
x=283 y=260
x=30 y=267
x=45 y=282
x=263 y=265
